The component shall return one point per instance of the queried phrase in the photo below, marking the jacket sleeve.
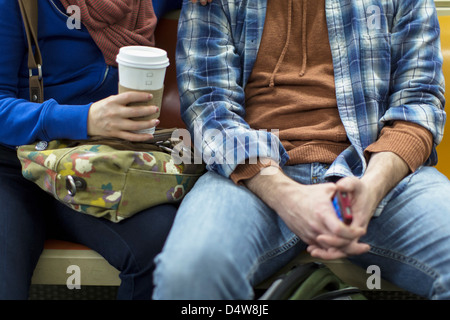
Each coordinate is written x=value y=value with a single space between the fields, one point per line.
x=417 y=81
x=209 y=74
x=21 y=121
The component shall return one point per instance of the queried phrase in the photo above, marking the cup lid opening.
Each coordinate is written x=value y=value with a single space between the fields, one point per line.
x=142 y=56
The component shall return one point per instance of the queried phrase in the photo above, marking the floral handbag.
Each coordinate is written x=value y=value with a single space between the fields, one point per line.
x=109 y=178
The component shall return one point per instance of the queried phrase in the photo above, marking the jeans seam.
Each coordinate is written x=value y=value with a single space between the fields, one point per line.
x=416 y=264
x=279 y=250
x=405 y=259
x=275 y=252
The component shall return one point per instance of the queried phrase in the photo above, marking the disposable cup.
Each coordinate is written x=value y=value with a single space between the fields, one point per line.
x=143 y=69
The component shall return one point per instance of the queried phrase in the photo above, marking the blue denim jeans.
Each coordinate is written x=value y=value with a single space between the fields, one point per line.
x=225 y=240
x=28 y=216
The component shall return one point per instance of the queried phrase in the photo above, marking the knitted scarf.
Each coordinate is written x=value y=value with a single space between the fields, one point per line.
x=117 y=23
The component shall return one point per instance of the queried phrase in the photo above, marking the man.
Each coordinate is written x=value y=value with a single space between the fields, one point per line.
x=314 y=97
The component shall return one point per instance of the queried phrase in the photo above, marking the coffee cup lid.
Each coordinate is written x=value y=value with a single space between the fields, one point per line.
x=142 y=57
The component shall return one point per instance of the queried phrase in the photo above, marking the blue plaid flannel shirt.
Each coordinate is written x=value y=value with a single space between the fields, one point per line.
x=387 y=62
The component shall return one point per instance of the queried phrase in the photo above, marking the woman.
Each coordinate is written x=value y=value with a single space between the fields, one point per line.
x=80 y=89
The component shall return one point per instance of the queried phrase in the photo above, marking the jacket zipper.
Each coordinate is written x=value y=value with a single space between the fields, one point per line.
x=57 y=8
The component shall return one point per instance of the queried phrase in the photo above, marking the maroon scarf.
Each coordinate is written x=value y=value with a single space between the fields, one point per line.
x=117 y=23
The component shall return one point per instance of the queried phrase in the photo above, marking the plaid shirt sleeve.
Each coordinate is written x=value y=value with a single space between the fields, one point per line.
x=417 y=81
x=210 y=71
x=388 y=67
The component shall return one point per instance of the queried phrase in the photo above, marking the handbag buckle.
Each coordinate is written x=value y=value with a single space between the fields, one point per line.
x=73 y=184
x=165 y=145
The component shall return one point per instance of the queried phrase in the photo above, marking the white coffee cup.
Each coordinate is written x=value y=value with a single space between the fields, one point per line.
x=143 y=68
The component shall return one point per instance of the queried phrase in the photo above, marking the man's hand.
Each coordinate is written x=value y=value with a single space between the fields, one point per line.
x=384 y=172
x=111 y=117
x=363 y=204
x=308 y=211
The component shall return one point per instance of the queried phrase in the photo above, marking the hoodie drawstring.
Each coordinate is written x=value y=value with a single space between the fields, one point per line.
x=304 y=54
x=288 y=37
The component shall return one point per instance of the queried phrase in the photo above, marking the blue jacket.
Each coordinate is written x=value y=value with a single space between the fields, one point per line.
x=75 y=75
x=74 y=70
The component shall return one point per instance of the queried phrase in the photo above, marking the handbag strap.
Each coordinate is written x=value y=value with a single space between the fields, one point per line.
x=29 y=11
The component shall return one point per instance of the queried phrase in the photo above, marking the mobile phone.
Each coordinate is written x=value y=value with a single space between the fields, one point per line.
x=341 y=203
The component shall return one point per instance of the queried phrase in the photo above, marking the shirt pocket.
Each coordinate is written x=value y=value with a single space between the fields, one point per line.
x=375 y=65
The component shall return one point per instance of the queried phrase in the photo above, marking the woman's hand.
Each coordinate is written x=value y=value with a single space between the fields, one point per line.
x=111 y=117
